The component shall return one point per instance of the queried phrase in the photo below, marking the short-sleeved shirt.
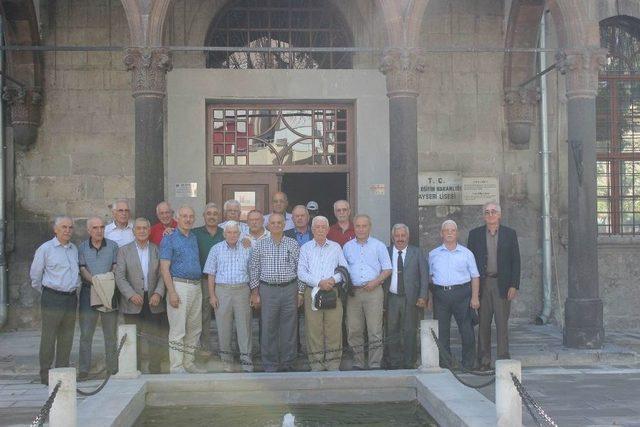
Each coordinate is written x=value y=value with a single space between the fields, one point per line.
x=156 y=233
x=341 y=237
x=453 y=267
x=274 y=262
x=122 y=236
x=98 y=260
x=182 y=251
x=55 y=266
x=366 y=260
x=206 y=241
x=229 y=264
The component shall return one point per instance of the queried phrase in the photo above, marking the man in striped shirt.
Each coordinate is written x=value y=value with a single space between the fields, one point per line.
x=273 y=273
x=316 y=270
x=227 y=270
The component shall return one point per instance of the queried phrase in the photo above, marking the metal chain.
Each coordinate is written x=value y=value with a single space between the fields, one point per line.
x=454 y=363
x=44 y=411
x=106 y=380
x=530 y=401
x=449 y=360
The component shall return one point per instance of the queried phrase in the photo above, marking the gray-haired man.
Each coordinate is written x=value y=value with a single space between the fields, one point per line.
x=228 y=278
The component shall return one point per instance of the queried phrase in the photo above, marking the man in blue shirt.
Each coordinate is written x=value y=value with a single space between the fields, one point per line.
x=180 y=269
x=301 y=232
x=456 y=286
x=369 y=266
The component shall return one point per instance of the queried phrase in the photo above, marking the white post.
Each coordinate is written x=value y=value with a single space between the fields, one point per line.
x=508 y=400
x=127 y=361
x=428 y=348
x=63 y=411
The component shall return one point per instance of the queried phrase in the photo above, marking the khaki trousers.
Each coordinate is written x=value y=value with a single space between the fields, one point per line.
x=185 y=323
x=233 y=304
x=365 y=309
x=323 y=330
x=492 y=305
x=205 y=337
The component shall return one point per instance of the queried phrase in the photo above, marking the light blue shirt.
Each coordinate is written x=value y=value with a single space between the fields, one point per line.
x=228 y=265
x=452 y=267
x=55 y=266
x=319 y=262
x=366 y=260
x=183 y=253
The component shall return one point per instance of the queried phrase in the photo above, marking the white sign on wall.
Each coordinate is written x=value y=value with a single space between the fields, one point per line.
x=480 y=190
x=186 y=189
x=439 y=188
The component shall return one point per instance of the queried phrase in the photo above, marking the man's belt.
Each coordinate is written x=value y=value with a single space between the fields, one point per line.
x=55 y=291
x=262 y=282
x=452 y=287
x=189 y=281
x=492 y=275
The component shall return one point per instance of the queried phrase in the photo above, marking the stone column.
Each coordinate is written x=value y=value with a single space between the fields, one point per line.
x=402 y=67
x=583 y=306
x=149 y=68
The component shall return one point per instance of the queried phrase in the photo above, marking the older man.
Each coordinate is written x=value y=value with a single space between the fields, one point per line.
x=55 y=273
x=208 y=235
x=121 y=229
x=182 y=274
x=406 y=291
x=497 y=255
x=279 y=204
x=141 y=293
x=96 y=255
x=228 y=279
x=273 y=273
x=232 y=212
x=369 y=266
x=301 y=230
x=316 y=270
x=255 y=221
x=165 y=225
x=456 y=285
x=342 y=231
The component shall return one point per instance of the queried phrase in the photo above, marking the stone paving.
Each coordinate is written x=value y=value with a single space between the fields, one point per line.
x=576 y=387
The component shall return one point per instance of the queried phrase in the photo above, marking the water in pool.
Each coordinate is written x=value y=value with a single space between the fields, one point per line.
x=370 y=414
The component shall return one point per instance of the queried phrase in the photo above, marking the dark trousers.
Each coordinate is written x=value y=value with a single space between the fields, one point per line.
x=493 y=306
x=58 y=314
x=152 y=324
x=401 y=331
x=279 y=313
x=88 y=317
x=455 y=302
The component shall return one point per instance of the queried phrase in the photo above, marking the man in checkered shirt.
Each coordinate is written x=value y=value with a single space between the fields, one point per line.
x=274 y=285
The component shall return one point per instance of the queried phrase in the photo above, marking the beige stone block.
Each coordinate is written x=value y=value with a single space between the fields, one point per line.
x=490 y=62
x=116 y=79
x=121 y=102
x=84 y=208
x=85 y=79
x=92 y=187
x=465 y=82
x=490 y=83
x=62 y=188
x=118 y=187
x=78 y=16
x=45 y=164
x=102 y=164
x=464 y=62
x=463 y=24
x=99 y=58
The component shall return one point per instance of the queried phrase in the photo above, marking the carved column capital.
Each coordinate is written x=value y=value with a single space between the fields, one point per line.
x=25 y=104
x=581 y=67
x=149 y=67
x=403 y=67
x=521 y=105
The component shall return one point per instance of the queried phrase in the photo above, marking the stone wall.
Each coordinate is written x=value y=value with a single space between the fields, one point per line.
x=83 y=158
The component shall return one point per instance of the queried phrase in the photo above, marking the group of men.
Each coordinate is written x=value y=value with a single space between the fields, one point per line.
x=174 y=274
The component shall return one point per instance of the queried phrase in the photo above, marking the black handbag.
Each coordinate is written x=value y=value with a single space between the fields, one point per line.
x=326 y=300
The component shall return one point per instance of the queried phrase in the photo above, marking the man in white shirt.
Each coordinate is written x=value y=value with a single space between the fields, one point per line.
x=316 y=270
x=121 y=229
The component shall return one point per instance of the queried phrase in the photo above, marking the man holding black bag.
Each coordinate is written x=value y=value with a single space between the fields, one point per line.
x=318 y=261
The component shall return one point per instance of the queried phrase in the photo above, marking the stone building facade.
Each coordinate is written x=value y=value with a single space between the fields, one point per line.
x=429 y=86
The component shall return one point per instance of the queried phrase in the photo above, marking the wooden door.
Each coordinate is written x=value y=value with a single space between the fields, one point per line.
x=252 y=190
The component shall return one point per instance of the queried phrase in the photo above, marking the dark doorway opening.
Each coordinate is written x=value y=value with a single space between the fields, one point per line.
x=324 y=188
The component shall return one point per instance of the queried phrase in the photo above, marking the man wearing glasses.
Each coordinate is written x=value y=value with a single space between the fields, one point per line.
x=121 y=229
x=495 y=248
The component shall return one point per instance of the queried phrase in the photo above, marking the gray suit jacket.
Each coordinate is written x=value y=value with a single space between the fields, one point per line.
x=130 y=280
x=416 y=277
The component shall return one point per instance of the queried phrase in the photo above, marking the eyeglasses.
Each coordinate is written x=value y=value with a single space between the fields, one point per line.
x=122 y=210
x=491 y=212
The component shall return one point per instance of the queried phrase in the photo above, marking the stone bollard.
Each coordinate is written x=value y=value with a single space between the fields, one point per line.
x=428 y=348
x=508 y=400
x=127 y=361
x=63 y=410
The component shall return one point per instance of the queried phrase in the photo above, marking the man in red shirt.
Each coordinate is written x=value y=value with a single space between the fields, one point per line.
x=166 y=224
x=342 y=231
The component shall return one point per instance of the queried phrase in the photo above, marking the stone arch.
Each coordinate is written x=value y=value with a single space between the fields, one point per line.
x=403 y=20
x=21 y=29
x=146 y=21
